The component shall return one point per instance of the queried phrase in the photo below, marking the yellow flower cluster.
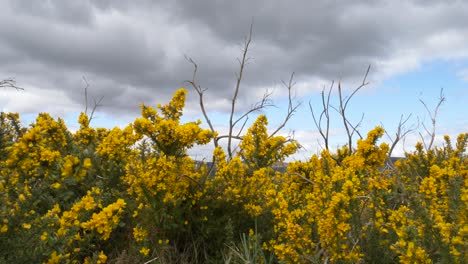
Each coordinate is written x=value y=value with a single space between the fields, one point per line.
x=248 y=177
x=70 y=197
x=318 y=211
x=405 y=228
x=168 y=136
x=117 y=144
x=104 y=221
x=39 y=147
x=139 y=234
x=71 y=218
x=85 y=135
x=260 y=150
x=10 y=131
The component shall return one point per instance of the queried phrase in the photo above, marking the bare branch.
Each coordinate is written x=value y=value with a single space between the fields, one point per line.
x=401 y=133
x=243 y=125
x=364 y=83
x=10 y=83
x=343 y=104
x=86 y=93
x=433 y=116
x=302 y=177
x=95 y=106
x=96 y=103
x=200 y=93
x=263 y=103
x=344 y=118
x=355 y=127
x=239 y=76
x=291 y=108
x=325 y=112
x=227 y=136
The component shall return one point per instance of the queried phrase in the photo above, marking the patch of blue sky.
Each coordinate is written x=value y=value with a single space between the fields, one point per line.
x=400 y=95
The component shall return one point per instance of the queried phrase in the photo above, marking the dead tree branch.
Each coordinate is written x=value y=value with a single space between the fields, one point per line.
x=235 y=118
x=264 y=102
x=291 y=107
x=10 y=83
x=400 y=134
x=325 y=113
x=324 y=116
x=200 y=93
x=239 y=76
x=86 y=93
x=433 y=115
x=355 y=127
x=343 y=104
x=96 y=103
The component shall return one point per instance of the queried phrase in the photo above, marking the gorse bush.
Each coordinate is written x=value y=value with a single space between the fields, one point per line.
x=133 y=195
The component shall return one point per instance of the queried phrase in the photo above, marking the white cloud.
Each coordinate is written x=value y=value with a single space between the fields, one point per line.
x=31 y=99
x=463 y=74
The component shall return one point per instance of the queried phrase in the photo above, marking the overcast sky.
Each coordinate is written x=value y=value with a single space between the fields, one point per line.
x=134 y=51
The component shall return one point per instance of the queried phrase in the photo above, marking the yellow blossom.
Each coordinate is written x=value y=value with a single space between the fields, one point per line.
x=102 y=258
x=145 y=251
x=139 y=234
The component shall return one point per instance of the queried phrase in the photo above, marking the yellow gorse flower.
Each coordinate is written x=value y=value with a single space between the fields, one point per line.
x=73 y=195
x=104 y=221
x=139 y=234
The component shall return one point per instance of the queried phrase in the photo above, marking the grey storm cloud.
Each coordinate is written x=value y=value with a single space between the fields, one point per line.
x=134 y=51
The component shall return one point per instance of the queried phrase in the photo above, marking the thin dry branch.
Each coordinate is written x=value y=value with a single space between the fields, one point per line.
x=325 y=113
x=200 y=93
x=400 y=134
x=86 y=93
x=343 y=104
x=227 y=136
x=355 y=127
x=302 y=177
x=433 y=116
x=95 y=106
x=291 y=107
x=235 y=118
x=96 y=103
x=10 y=83
x=243 y=126
x=364 y=83
x=239 y=76
x=263 y=103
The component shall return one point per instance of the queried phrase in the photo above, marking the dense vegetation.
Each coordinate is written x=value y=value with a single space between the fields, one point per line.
x=132 y=195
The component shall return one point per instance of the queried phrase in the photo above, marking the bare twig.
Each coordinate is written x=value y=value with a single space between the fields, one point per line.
x=264 y=102
x=400 y=134
x=151 y=260
x=242 y=127
x=291 y=107
x=433 y=115
x=236 y=118
x=227 y=136
x=96 y=103
x=200 y=93
x=95 y=106
x=86 y=94
x=304 y=178
x=10 y=83
x=239 y=76
x=343 y=104
x=325 y=113
x=355 y=127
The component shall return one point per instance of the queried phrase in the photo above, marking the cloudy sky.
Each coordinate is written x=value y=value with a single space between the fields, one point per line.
x=135 y=51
